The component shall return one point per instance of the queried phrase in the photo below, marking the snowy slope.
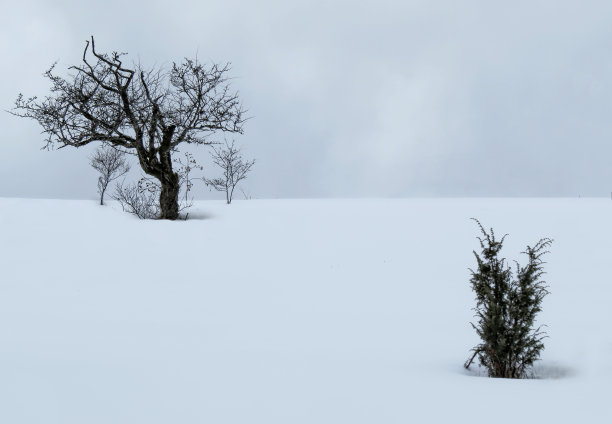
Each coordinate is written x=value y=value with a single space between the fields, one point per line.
x=293 y=311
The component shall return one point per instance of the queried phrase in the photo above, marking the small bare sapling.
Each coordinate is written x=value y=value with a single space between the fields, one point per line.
x=234 y=167
x=111 y=164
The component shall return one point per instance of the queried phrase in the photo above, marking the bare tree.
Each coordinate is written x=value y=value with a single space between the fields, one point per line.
x=111 y=164
x=234 y=168
x=147 y=111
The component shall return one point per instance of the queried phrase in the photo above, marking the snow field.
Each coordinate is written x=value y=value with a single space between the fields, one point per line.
x=290 y=311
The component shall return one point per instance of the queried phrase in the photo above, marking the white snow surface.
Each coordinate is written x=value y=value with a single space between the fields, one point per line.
x=291 y=311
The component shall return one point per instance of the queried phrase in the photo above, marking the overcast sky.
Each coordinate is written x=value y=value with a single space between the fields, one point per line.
x=350 y=98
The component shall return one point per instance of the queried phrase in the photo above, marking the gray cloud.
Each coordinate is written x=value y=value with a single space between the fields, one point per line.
x=372 y=98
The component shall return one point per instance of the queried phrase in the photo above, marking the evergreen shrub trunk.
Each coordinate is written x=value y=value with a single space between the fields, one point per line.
x=506 y=307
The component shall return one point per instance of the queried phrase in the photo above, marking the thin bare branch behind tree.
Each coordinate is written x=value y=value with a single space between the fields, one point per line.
x=111 y=164
x=234 y=167
x=185 y=167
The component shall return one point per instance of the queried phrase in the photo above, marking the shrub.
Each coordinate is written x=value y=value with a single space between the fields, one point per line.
x=506 y=308
x=140 y=199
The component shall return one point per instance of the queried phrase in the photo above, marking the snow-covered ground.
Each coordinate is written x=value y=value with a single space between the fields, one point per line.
x=291 y=311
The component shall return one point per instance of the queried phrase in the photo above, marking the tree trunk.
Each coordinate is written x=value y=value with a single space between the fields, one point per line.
x=102 y=196
x=159 y=165
x=168 y=197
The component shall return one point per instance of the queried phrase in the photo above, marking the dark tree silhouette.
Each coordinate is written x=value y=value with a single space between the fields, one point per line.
x=111 y=164
x=149 y=112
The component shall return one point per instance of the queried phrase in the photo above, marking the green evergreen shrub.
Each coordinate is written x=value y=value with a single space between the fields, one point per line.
x=506 y=308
